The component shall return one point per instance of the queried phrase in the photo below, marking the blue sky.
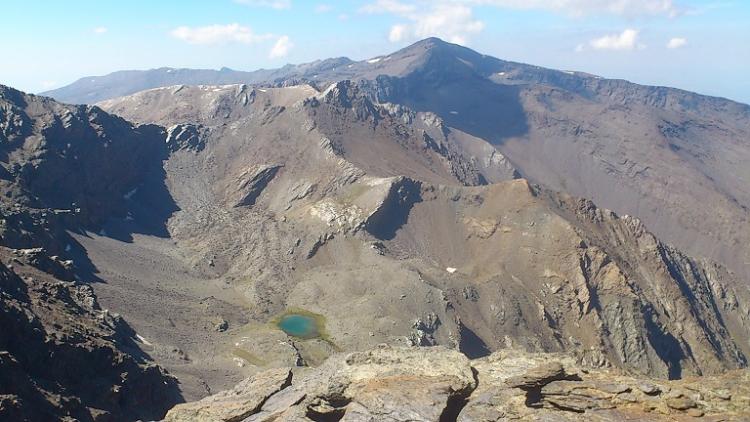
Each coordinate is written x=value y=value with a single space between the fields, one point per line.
x=699 y=45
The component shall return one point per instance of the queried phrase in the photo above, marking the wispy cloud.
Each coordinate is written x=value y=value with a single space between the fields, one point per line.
x=629 y=8
x=273 y=4
x=389 y=6
x=219 y=34
x=450 y=20
x=676 y=43
x=323 y=8
x=100 y=30
x=626 y=40
x=281 y=47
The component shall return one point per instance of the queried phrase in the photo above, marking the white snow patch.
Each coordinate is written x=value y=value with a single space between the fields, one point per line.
x=130 y=194
x=350 y=66
x=569 y=72
x=143 y=340
x=454 y=112
x=375 y=60
x=451 y=270
x=500 y=73
x=263 y=90
x=169 y=70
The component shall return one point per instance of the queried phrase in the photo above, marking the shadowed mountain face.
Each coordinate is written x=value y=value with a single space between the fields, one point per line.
x=66 y=169
x=428 y=197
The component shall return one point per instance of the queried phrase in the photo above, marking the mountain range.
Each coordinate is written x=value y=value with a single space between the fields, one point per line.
x=431 y=197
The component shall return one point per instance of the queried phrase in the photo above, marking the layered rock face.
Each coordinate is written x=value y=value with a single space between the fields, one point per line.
x=437 y=384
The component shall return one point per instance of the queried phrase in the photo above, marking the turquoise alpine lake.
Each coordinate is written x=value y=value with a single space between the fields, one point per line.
x=300 y=326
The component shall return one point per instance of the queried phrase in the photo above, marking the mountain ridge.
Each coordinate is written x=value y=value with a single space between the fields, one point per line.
x=78 y=92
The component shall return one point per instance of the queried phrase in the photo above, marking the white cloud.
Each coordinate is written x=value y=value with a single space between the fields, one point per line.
x=398 y=33
x=629 y=8
x=449 y=20
x=676 y=43
x=219 y=34
x=100 y=29
x=274 y=4
x=49 y=84
x=389 y=6
x=281 y=47
x=626 y=40
x=323 y=8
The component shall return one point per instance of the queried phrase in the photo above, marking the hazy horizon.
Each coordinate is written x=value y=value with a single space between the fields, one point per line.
x=699 y=46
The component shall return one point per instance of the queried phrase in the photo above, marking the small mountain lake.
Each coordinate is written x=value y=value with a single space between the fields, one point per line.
x=300 y=326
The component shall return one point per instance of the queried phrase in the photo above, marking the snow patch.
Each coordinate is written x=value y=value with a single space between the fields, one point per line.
x=451 y=270
x=375 y=60
x=143 y=340
x=454 y=112
x=130 y=194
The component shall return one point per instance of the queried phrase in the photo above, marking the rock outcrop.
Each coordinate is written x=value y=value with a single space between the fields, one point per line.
x=437 y=384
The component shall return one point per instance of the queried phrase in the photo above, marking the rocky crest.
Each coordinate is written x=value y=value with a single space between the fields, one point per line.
x=437 y=384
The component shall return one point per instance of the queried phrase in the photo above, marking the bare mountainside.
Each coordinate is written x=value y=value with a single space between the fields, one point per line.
x=379 y=218
x=672 y=158
x=63 y=356
x=400 y=206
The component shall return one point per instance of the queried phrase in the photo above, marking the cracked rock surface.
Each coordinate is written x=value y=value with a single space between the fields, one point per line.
x=438 y=384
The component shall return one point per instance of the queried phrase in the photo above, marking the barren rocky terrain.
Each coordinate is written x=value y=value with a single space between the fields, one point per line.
x=431 y=200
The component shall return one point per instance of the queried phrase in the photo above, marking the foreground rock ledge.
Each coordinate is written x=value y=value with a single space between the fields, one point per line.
x=439 y=384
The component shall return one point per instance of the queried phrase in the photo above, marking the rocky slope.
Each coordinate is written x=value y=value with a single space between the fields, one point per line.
x=344 y=194
x=403 y=206
x=672 y=158
x=62 y=355
x=436 y=384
